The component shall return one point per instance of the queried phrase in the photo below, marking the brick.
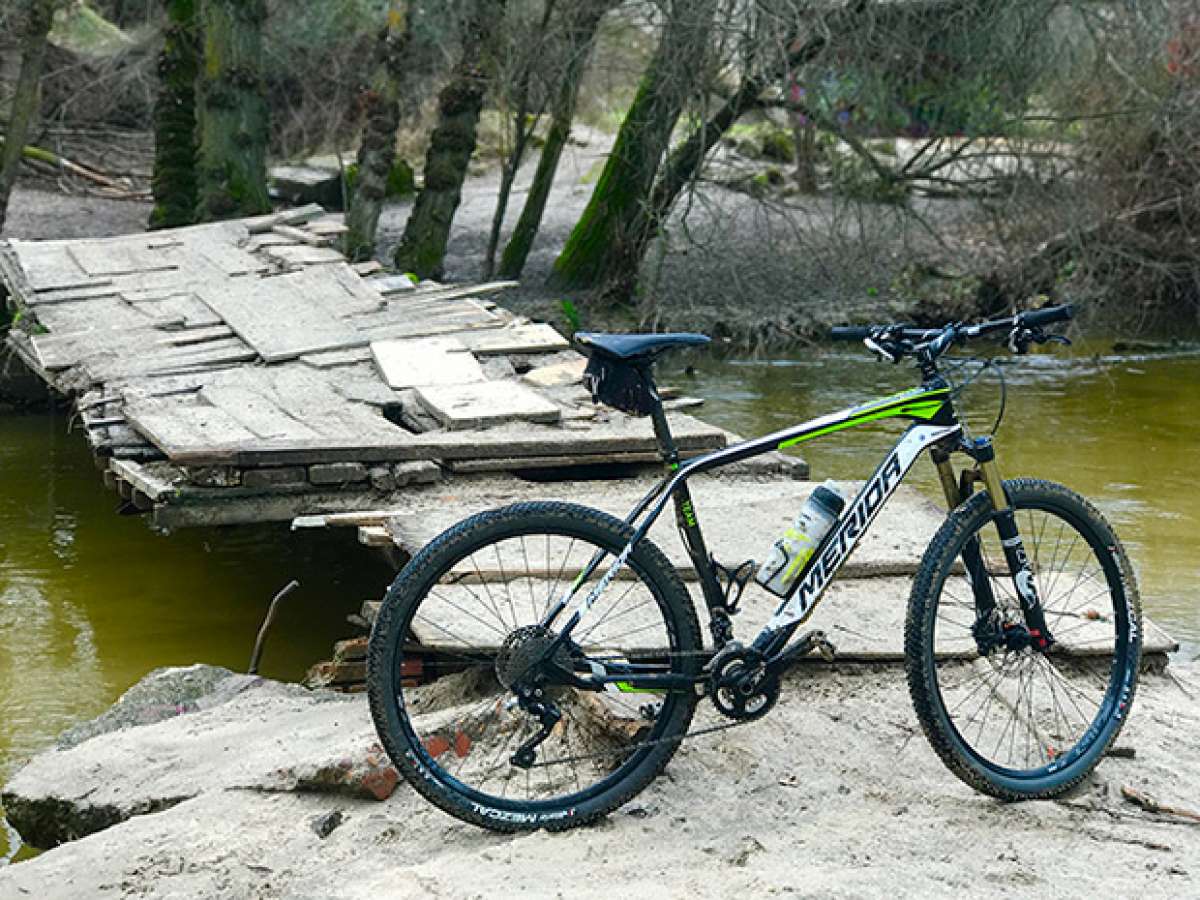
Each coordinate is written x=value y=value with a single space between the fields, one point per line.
x=215 y=476
x=268 y=478
x=337 y=473
x=382 y=478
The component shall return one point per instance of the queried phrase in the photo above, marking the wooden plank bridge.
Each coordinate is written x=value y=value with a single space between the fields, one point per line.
x=245 y=372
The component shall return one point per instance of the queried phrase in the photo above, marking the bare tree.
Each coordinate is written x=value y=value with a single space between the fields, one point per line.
x=605 y=246
x=38 y=16
x=377 y=152
x=423 y=247
x=232 y=111
x=174 y=182
x=580 y=23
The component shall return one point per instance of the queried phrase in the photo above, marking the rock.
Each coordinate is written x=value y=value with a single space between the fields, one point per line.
x=238 y=732
x=325 y=825
x=337 y=473
x=163 y=694
x=382 y=478
x=275 y=477
x=299 y=185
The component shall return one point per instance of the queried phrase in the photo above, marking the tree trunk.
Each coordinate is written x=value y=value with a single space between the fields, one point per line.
x=233 y=115
x=605 y=246
x=423 y=248
x=174 y=182
x=39 y=16
x=377 y=153
x=585 y=18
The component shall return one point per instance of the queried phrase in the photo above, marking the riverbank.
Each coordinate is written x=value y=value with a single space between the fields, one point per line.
x=831 y=795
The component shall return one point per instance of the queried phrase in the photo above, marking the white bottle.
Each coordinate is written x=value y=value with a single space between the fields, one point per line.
x=792 y=552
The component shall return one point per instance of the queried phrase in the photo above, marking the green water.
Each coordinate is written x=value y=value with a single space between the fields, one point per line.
x=1123 y=432
x=91 y=601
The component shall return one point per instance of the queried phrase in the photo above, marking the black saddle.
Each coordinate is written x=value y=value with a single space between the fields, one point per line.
x=618 y=373
x=631 y=347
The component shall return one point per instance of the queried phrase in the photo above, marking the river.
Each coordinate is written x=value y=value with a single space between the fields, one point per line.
x=90 y=601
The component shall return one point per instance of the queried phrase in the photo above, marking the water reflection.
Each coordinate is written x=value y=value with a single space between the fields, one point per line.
x=91 y=601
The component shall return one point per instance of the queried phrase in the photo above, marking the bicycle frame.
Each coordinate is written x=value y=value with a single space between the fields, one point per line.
x=935 y=425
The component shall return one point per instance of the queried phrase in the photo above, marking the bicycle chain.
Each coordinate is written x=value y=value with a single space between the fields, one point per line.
x=641 y=745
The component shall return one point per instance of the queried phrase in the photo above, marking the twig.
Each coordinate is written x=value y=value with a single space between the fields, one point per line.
x=1148 y=803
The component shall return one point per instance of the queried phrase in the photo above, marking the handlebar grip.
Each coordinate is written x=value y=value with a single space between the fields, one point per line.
x=1039 y=317
x=849 y=333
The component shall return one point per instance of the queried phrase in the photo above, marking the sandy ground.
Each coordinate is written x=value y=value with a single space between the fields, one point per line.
x=835 y=794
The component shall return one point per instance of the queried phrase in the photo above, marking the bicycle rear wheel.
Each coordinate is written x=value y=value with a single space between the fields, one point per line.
x=459 y=630
x=1008 y=719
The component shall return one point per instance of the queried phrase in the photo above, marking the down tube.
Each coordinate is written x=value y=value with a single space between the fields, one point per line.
x=851 y=526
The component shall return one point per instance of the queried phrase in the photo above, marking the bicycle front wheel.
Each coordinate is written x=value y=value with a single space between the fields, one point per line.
x=461 y=628
x=1007 y=718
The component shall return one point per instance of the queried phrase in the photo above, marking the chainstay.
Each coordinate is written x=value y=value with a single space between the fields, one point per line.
x=632 y=748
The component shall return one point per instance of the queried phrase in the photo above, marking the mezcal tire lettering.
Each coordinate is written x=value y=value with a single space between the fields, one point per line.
x=936 y=719
x=409 y=590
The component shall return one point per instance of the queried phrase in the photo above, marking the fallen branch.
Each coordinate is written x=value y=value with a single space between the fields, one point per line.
x=1149 y=804
x=40 y=155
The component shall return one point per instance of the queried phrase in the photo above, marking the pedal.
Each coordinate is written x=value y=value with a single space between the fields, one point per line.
x=733 y=581
x=827 y=650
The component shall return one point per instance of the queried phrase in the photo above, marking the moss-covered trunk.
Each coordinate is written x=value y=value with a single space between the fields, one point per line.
x=584 y=20
x=604 y=247
x=38 y=17
x=233 y=115
x=174 y=182
x=423 y=248
x=377 y=153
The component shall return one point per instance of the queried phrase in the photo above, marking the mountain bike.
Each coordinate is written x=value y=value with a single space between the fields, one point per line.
x=536 y=666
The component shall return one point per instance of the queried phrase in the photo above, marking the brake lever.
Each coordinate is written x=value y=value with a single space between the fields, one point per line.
x=880 y=351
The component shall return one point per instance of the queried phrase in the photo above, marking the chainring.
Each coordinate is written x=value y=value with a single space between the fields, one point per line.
x=739 y=685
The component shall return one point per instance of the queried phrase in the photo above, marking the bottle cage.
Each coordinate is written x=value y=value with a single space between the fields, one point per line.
x=621 y=385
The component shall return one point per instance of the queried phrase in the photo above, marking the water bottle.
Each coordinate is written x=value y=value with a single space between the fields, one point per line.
x=792 y=552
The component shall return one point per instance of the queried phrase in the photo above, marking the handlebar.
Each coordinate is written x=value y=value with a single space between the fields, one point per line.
x=895 y=341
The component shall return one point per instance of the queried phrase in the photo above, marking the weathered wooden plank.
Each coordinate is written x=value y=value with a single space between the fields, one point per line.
x=156 y=488
x=512 y=463
x=304 y=255
x=297 y=216
x=48 y=265
x=465 y=406
x=540 y=338
x=256 y=412
x=170 y=425
x=557 y=375
x=518 y=440
x=426 y=361
x=284 y=317
x=302 y=236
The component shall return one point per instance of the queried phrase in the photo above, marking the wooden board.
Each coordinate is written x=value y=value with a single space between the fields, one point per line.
x=425 y=361
x=557 y=375
x=540 y=338
x=286 y=316
x=463 y=406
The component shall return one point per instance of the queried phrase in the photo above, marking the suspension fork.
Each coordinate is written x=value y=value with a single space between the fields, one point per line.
x=1014 y=549
x=957 y=493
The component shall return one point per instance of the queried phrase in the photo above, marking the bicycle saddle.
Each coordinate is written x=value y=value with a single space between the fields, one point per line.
x=637 y=346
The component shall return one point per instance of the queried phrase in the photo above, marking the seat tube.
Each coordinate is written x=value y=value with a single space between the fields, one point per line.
x=685 y=512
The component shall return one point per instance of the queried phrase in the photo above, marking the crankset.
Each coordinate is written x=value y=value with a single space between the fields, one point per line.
x=740 y=685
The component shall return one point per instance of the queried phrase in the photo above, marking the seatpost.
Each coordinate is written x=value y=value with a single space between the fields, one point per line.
x=662 y=429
